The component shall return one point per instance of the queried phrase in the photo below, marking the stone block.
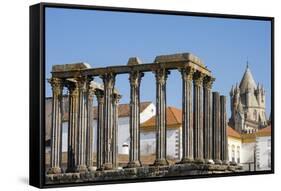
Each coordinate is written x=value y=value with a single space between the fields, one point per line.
x=134 y=61
x=180 y=57
x=70 y=67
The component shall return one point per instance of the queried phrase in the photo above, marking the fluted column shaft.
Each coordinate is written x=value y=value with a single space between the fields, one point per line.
x=187 y=130
x=108 y=81
x=207 y=115
x=216 y=128
x=89 y=142
x=223 y=124
x=72 y=126
x=100 y=126
x=115 y=101
x=56 y=131
x=82 y=122
x=197 y=116
x=134 y=155
x=161 y=77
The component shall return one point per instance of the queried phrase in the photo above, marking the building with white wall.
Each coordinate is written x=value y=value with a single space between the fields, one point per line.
x=252 y=150
x=234 y=145
x=174 y=138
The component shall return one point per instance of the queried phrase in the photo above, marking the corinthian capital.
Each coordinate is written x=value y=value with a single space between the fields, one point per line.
x=99 y=94
x=57 y=85
x=198 y=78
x=72 y=87
x=208 y=82
x=108 y=80
x=162 y=75
x=116 y=98
x=81 y=83
x=135 y=78
x=187 y=73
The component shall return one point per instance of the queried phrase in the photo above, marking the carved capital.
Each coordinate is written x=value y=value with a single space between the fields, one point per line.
x=116 y=98
x=100 y=95
x=108 y=80
x=57 y=85
x=208 y=82
x=161 y=75
x=135 y=78
x=187 y=73
x=81 y=83
x=198 y=78
x=72 y=88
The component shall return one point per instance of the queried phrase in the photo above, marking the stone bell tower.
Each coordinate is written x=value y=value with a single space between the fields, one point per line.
x=247 y=104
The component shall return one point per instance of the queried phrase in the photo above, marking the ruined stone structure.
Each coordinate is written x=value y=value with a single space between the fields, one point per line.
x=247 y=105
x=204 y=139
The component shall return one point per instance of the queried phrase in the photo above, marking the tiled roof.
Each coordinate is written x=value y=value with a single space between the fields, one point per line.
x=124 y=109
x=264 y=131
x=232 y=133
x=173 y=115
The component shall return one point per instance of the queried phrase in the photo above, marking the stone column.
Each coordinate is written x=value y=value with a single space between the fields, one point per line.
x=100 y=126
x=134 y=156
x=81 y=132
x=207 y=121
x=72 y=126
x=223 y=124
x=56 y=131
x=115 y=101
x=161 y=77
x=89 y=141
x=187 y=130
x=108 y=81
x=197 y=118
x=216 y=129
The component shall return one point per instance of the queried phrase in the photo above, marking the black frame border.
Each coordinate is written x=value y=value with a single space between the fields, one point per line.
x=37 y=91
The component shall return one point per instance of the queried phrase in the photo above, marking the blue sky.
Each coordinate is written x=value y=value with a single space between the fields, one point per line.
x=103 y=38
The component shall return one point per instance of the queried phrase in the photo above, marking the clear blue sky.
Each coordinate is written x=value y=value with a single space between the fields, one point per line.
x=109 y=38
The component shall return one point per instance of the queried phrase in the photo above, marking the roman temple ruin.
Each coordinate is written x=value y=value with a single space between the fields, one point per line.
x=204 y=139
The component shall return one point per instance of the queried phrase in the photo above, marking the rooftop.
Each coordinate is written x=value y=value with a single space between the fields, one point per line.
x=174 y=119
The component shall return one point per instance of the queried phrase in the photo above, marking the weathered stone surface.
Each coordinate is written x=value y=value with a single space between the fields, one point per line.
x=134 y=155
x=161 y=140
x=99 y=86
x=134 y=61
x=100 y=141
x=181 y=57
x=108 y=123
x=187 y=129
x=57 y=87
x=216 y=128
x=197 y=119
x=69 y=67
x=207 y=120
x=186 y=170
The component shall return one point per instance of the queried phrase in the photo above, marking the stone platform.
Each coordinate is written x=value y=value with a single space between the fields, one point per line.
x=142 y=172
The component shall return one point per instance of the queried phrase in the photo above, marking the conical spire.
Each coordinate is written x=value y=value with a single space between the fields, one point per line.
x=247 y=81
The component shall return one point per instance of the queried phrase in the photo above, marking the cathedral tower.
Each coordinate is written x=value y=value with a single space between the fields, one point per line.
x=247 y=104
